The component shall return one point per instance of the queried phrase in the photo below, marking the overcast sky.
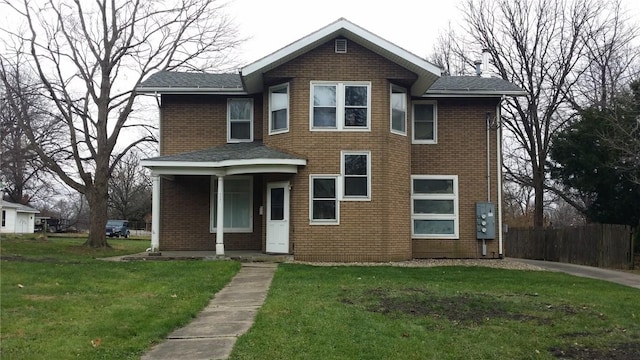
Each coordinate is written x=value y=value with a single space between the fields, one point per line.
x=271 y=25
x=411 y=24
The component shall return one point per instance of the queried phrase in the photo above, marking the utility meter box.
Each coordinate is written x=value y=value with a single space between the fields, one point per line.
x=485 y=221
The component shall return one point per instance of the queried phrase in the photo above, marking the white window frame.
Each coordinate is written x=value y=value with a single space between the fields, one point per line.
x=456 y=213
x=229 y=121
x=340 y=106
x=435 y=122
x=336 y=179
x=214 y=204
x=343 y=176
x=271 y=109
x=394 y=89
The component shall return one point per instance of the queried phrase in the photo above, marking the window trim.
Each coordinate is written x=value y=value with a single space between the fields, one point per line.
x=398 y=89
x=343 y=176
x=214 y=203
x=340 y=106
x=288 y=108
x=336 y=179
x=435 y=122
x=229 y=121
x=456 y=211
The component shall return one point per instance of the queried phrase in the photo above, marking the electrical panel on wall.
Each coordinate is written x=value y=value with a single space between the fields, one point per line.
x=485 y=221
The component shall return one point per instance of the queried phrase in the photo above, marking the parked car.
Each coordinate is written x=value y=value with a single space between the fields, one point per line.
x=117 y=228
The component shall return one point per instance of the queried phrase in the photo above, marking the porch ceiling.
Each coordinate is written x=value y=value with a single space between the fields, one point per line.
x=229 y=159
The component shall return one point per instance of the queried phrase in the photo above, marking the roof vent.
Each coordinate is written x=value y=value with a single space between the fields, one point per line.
x=341 y=46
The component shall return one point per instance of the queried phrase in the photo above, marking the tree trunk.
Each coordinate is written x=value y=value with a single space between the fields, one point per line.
x=538 y=189
x=97 y=198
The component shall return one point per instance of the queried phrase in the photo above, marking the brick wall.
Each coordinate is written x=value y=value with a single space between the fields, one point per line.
x=461 y=150
x=376 y=230
x=196 y=122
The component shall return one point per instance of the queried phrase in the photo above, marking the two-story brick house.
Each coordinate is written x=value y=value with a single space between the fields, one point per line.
x=339 y=147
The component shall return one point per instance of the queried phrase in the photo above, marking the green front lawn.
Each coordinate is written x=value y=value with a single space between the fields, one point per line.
x=441 y=313
x=59 y=302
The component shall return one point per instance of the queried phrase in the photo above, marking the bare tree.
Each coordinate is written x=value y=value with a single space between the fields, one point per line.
x=612 y=60
x=130 y=189
x=540 y=46
x=22 y=172
x=89 y=57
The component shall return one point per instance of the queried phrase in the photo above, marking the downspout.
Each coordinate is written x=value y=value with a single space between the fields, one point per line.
x=499 y=175
x=484 y=241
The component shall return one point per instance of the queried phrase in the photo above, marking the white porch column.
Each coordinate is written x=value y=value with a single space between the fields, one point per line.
x=155 y=214
x=220 y=218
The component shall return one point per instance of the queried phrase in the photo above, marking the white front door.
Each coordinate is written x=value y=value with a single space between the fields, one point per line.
x=278 y=217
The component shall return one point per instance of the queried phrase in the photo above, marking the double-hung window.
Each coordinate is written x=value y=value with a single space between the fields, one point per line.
x=324 y=206
x=278 y=109
x=356 y=174
x=398 y=110
x=425 y=122
x=434 y=206
x=239 y=120
x=238 y=204
x=340 y=106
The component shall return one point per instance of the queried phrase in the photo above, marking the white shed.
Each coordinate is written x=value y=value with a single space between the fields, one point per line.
x=17 y=218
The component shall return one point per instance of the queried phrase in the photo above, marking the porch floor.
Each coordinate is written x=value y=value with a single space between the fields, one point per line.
x=239 y=255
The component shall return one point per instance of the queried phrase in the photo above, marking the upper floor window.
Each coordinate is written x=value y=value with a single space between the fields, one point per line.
x=340 y=106
x=398 y=110
x=356 y=172
x=239 y=120
x=425 y=122
x=279 y=109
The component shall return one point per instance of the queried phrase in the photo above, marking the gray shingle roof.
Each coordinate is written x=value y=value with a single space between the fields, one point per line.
x=472 y=84
x=236 y=151
x=167 y=80
x=172 y=79
x=18 y=207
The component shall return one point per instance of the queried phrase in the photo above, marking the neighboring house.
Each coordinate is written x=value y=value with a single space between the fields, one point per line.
x=17 y=218
x=339 y=147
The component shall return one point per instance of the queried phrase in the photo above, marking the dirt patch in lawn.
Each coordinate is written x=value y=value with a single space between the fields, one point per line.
x=459 y=308
x=624 y=351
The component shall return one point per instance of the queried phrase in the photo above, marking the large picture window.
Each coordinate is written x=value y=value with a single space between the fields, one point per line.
x=278 y=109
x=425 y=122
x=239 y=120
x=340 y=106
x=238 y=204
x=434 y=206
x=356 y=173
x=398 y=110
x=324 y=206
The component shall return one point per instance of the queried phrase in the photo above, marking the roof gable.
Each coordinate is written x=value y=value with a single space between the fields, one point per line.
x=427 y=73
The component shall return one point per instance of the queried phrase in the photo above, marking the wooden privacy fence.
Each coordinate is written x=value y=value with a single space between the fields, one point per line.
x=600 y=245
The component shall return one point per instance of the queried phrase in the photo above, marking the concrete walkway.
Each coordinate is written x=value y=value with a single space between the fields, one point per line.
x=619 y=277
x=212 y=334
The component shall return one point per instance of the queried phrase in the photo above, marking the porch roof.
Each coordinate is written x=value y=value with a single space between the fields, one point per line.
x=228 y=159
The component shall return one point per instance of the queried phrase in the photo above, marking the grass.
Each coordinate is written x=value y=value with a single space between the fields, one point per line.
x=59 y=302
x=441 y=313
